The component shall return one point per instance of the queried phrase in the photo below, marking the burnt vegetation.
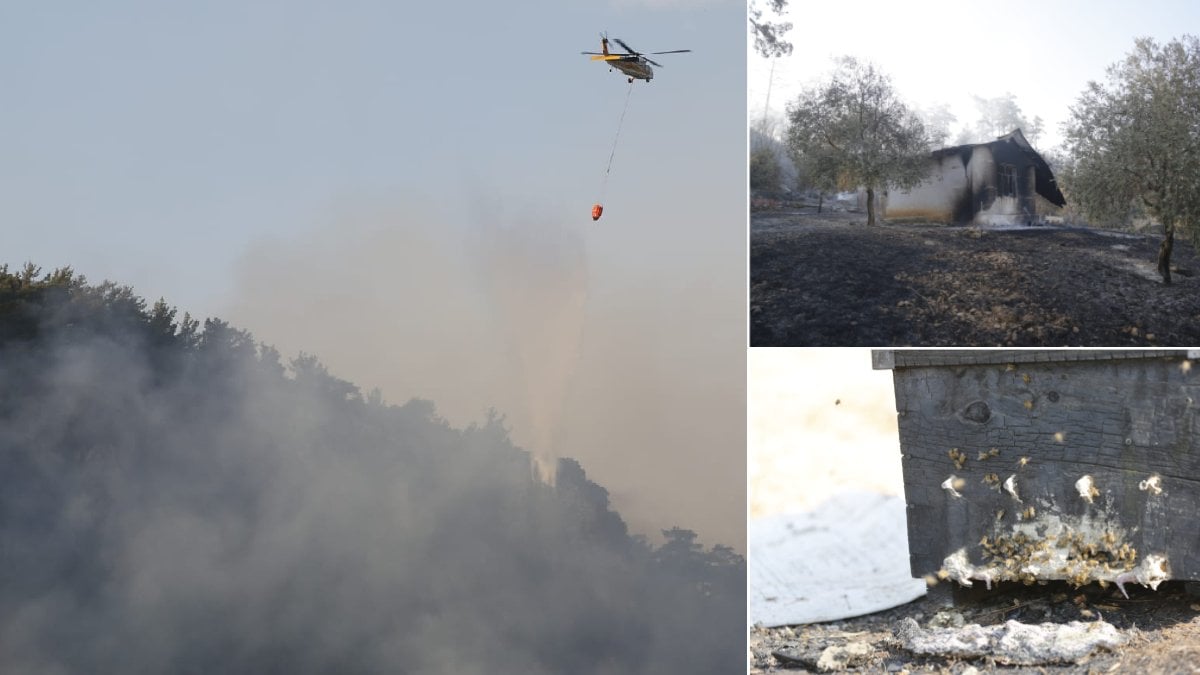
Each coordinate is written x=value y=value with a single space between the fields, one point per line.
x=178 y=499
x=826 y=281
x=1104 y=267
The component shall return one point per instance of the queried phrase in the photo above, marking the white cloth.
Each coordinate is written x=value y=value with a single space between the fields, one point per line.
x=847 y=557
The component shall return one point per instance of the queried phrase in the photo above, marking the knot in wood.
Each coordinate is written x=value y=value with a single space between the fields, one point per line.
x=978 y=412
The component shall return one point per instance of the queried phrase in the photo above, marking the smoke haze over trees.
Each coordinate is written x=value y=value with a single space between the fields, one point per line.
x=177 y=499
x=771 y=169
x=588 y=348
x=998 y=116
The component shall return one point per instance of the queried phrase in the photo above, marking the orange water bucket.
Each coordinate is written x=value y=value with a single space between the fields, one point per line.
x=597 y=210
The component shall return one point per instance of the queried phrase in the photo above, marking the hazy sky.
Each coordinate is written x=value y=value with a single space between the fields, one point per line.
x=323 y=155
x=821 y=422
x=943 y=51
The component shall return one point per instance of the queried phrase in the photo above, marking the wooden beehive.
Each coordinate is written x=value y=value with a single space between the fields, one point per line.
x=1031 y=465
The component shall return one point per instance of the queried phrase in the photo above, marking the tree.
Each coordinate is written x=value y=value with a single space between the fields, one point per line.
x=1062 y=165
x=999 y=116
x=854 y=131
x=768 y=36
x=770 y=168
x=1136 y=141
x=937 y=119
x=764 y=169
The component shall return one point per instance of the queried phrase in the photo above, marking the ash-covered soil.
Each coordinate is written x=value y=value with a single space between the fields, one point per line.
x=1160 y=629
x=831 y=280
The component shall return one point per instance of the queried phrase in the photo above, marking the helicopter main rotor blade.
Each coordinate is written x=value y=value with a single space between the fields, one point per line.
x=673 y=51
x=627 y=47
x=653 y=62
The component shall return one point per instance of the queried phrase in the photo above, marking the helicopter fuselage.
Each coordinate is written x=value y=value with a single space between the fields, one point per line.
x=636 y=69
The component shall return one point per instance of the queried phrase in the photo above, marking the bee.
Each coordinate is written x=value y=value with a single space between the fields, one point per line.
x=943 y=574
x=1026 y=378
x=994 y=452
x=1022 y=462
x=1000 y=514
x=958 y=457
x=931 y=580
x=982 y=456
x=1059 y=436
x=1186 y=366
x=1127 y=554
x=1029 y=513
x=1010 y=367
x=1028 y=404
x=984 y=541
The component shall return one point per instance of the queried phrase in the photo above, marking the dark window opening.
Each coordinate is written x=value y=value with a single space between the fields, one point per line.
x=1006 y=183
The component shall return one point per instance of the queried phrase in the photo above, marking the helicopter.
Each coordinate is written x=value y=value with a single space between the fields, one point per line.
x=634 y=64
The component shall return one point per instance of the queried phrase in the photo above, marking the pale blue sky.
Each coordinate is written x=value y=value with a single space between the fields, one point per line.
x=151 y=142
x=404 y=189
x=942 y=51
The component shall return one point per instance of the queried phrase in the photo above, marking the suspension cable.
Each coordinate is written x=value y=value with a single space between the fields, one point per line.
x=616 y=139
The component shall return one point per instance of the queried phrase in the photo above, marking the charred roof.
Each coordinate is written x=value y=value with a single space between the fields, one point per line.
x=1045 y=184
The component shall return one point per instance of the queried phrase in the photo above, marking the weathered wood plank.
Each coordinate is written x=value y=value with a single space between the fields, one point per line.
x=1041 y=421
x=885 y=359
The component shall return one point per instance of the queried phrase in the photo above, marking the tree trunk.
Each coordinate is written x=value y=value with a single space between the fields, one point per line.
x=870 y=206
x=1164 y=254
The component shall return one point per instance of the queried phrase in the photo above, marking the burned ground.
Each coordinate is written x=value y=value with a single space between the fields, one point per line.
x=1161 y=631
x=828 y=280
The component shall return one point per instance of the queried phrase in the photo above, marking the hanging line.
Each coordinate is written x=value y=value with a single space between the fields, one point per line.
x=604 y=185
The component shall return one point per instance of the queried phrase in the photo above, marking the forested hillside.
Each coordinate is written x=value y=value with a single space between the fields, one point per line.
x=177 y=498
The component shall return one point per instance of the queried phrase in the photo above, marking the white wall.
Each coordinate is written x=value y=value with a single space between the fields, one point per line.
x=933 y=199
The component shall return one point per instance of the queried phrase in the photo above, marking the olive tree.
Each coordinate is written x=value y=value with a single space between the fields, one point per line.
x=853 y=131
x=1136 y=141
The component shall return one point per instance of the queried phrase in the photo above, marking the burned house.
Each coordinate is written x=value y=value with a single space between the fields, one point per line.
x=995 y=183
x=1037 y=465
